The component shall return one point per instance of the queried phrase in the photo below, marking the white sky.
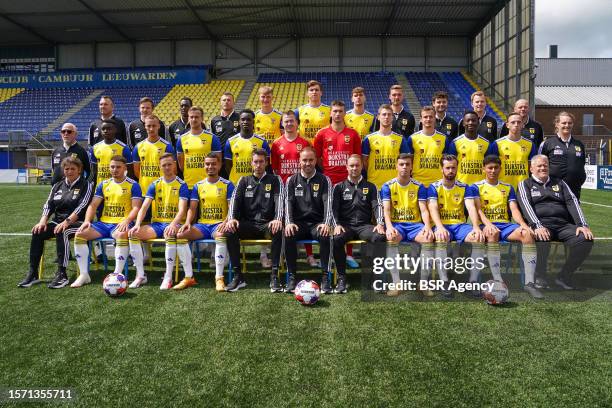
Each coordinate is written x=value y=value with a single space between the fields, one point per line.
x=581 y=28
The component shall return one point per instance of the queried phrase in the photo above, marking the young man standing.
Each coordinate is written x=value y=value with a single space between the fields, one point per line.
x=444 y=123
x=315 y=115
x=181 y=125
x=532 y=130
x=136 y=130
x=359 y=118
x=403 y=121
x=147 y=153
x=267 y=119
x=225 y=125
x=487 y=125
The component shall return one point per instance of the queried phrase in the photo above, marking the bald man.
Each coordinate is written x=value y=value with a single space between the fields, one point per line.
x=69 y=147
x=532 y=130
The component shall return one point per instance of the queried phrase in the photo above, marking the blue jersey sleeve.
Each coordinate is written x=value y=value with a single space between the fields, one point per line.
x=179 y=146
x=512 y=195
x=194 y=193
x=151 y=191
x=297 y=114
x=135 y=155
x=92 y=156
x=471 y=192
x=385 y=192
x=99 y=191
x=136 y=191
x=227 y=152
x=230 y=190
x=184 y=192
x=409 y=144
x=447 y=144
x=365 y=146
x=452 y=148
x=422 y=194
x=493 y=149
x=170 y=149
x=215 y=145
x=432 y=193
x=533 y=151
x=266 y=147
x=127 y=153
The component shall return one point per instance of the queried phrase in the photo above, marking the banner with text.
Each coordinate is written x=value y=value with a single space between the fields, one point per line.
x=106 y=78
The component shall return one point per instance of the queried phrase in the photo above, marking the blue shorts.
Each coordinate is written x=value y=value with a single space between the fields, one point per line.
x=104 y=229
x=207 y=230
x=159 y=228
x=408 y=230
x=505 y=229
x=458 y=232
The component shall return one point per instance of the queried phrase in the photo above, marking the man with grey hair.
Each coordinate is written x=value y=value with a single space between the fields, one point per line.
x=70 y=147
x=554 y=214
x=532 y=130
x=107 y=111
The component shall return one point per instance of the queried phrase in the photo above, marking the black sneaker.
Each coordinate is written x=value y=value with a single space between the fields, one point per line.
x=236 y=283
x=564 y=284
x=541 y=283
x=30 y=279
x=290 y=288
x=275 y=286
x=59 y=281
x=341 y=284
x=325 y=286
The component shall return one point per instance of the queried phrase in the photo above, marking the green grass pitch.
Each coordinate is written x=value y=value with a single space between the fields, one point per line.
x=200 y=348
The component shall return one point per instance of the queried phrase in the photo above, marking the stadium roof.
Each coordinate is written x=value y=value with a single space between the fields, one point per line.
x=573 y=96
x=78 y=21
x=574 y=71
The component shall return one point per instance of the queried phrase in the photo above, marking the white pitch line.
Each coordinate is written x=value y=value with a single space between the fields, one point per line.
x=14 y=234
x=598 y=205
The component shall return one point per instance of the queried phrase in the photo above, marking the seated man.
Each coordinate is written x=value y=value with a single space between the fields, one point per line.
x=211 y=196
x=256 y=212
x=493 y=200
x=355 y=204
x=448 y=199
x=308 y=215
x=167 y=197
x=120 y=198
x=406 y=216
x=67 y=202
x=554 y=213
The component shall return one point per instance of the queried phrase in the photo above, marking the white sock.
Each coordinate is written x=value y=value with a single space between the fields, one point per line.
x=184 y=253
x=494 y=255
x=170 y=255
x=81 y=253
x=427 y=253
x=529 y=256
x=478 y=251
x=138 y=256
x=392 y=252
x=440 y=255
x=220 y=255
x=122 y=250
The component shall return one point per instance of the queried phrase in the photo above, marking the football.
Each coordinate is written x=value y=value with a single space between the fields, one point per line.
x=497 y=295
x=115 y=284
x=307 y=292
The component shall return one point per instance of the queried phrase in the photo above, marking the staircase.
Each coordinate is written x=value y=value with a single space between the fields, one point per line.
x=409 y=96
x=63 y=118
x=243 y=98
x=492 y=103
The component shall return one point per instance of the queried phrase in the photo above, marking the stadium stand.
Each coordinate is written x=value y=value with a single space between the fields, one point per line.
x=8 y=93
x=336 y=85
x=287 y=95
x=205 y=95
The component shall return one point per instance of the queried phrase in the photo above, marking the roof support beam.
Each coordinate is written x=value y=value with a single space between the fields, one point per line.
x=105 y=20
x=391 y=15
x=28 y=29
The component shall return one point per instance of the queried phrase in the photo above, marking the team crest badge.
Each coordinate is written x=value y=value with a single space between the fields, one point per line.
x=555 y=188
x=479 y=148
x=486 y=202
x=532 y=130
x=321 y=114
x=235 y=123
x=457 y=197
x=523 y=149
x=489 y=124
x=74 y=155
x=404 y=121
x=449 y=126
x=306 y=121
x=315 y=187
x=219 y=191
x=365 y=190
x=411 y=195
x=393 y=143
x=330 y=148
x=422 y=151
x=282 y=156
x=186 y=151
x=438 y=142
x=347 y=139
x=298 y=147
x=268 y=187
x=507 y=157
x=578 y=149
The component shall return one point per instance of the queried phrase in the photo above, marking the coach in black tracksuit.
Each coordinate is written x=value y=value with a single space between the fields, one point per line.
x=566 y=156
x=355 y=203
x=554 y=213
x=308 y=215
x=68 y=201
x=256 y=212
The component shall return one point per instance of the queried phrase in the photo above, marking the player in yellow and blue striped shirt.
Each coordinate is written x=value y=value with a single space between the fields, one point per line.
x=428 y=146
x=514 y=151
x=168 y=197
x=120 y=198
x=496 y=204
x=211 y=197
